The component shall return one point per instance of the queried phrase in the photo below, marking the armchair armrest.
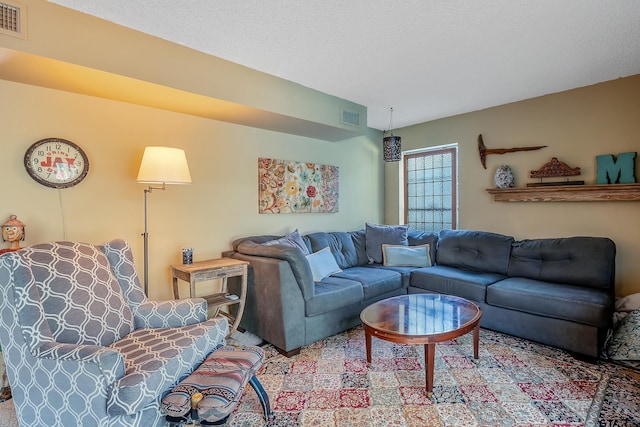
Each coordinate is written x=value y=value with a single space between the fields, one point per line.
x=107 y=361
x=171 y=313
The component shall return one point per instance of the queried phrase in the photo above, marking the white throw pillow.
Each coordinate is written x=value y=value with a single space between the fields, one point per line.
x=322 y=264
x=406 y=256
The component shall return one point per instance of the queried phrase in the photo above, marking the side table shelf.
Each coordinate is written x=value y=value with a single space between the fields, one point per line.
x=223 y=269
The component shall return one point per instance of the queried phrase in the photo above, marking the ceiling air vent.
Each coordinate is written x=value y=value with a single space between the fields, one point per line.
x=13 y=19
x=349 y=117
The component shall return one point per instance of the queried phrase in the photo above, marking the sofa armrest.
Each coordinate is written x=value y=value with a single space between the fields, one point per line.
x=171 y=313
x=294 y=257
x=275 y=307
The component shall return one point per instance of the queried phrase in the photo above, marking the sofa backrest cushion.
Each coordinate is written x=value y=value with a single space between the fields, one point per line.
x=376 y=235
x=474 y=250
x=77 y=291
x=419 y=238
x=584 y=261
x=340 y=243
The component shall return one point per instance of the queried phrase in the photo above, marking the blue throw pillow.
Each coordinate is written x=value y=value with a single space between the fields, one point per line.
x=322 y=264
x=406 y=256
x=377 y=235
x=292 y=239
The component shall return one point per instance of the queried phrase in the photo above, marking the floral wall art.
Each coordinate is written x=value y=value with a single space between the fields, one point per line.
x=286 y=186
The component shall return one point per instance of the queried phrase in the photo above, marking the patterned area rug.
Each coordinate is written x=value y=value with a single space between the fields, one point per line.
x=514 y=383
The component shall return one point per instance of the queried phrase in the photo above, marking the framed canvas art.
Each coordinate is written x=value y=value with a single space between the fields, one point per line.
x=286 y=186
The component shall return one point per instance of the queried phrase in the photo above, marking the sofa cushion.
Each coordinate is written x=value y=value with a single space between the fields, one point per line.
x=471 y=285
x=292 y=239
x=332 y=293
x=417 y=238
x=341 y=245
x=405 y=272
x=584 y=261
x=574 y=303
x=376 y=235
x=375 y=281
x=474 y=250
x=360 y=243
x=405 y=256
x=322 y=264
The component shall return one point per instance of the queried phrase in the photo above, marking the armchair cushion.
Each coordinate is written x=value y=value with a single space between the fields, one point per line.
x=81 y=300
x=152 y=356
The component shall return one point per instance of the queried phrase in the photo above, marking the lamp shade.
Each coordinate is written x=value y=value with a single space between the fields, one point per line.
x=164 y=165
x=392 y=148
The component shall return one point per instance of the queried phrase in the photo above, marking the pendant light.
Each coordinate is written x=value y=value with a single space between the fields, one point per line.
x=391 y=145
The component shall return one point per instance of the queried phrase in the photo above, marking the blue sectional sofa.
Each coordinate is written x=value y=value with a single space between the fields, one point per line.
x=558 y=291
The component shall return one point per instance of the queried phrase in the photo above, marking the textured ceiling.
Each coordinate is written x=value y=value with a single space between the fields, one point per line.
x=427 y=59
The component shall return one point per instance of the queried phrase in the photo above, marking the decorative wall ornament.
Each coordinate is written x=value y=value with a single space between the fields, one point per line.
x=555 y=168
x=503 y=177
x=484 y=151
x=286 y=186
x=619 y=171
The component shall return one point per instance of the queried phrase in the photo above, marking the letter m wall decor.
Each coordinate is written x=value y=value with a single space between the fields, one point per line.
x=620 y=171
x=286 y=186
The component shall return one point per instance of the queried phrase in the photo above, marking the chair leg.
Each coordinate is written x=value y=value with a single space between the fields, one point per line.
x=262 y=395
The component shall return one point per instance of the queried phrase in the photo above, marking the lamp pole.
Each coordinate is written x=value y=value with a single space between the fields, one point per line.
x=145 y=237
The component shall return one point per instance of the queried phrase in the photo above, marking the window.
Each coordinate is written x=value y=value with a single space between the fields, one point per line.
x=430 y=199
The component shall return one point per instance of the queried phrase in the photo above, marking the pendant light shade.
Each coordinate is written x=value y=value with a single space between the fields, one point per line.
x=392 y=148
x=391 y=145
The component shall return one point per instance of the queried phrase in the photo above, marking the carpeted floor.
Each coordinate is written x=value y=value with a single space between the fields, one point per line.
x=514 y=383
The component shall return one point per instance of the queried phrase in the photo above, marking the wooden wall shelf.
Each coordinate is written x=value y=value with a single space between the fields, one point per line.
x=568 y=193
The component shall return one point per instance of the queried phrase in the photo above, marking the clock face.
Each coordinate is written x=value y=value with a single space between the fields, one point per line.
x=56 y=163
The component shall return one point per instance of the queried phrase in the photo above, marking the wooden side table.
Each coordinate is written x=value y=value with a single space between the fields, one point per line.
x=221 y=268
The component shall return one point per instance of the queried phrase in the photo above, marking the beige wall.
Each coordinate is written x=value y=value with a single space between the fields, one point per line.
x=576 y=126
x=207 y=215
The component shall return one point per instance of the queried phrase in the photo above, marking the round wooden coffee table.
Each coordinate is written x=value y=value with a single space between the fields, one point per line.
x=422 y=319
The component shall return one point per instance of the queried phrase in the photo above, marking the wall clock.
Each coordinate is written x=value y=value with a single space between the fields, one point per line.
x=56 y=163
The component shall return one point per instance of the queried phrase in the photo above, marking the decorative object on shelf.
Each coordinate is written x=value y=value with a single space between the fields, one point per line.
x=56 y=163
x=391 y=145
x=620 y=171
x=286 y=186
x=160 y=166
x=554 y=168
x=484 y=151
x=12 y=232
x=503 y=177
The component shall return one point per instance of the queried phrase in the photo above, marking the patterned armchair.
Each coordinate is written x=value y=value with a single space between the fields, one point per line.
x=83 y=345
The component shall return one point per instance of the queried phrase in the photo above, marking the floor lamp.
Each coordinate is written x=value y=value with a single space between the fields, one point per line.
x=160 y=166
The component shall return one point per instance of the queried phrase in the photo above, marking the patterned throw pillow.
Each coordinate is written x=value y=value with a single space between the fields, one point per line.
x=625 y=343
